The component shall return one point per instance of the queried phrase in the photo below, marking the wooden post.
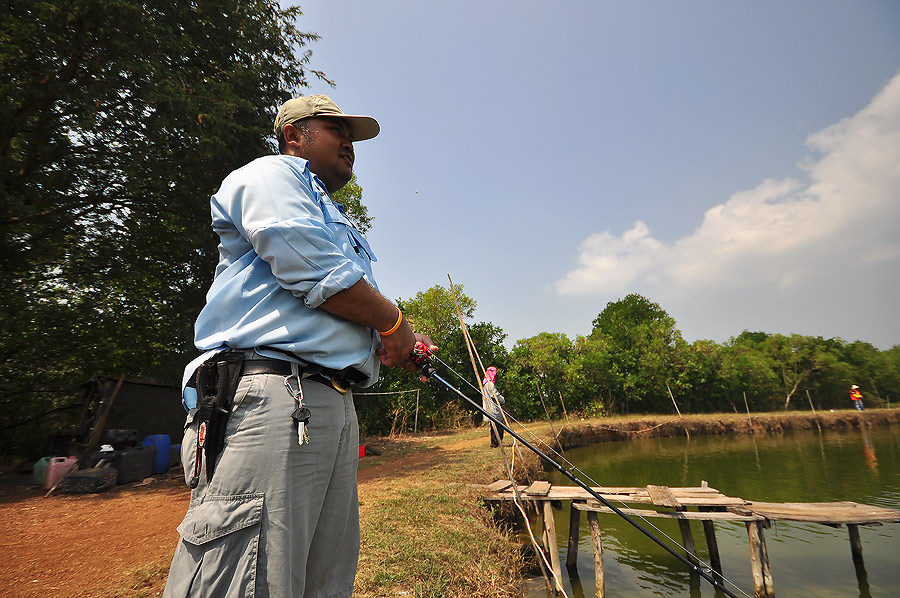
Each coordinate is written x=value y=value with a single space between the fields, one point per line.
x=747 y=406
x=855 y=542
x=862 y=578
x=597 y=542
x=677 y=410
x=767 y=570
x=809 y=398
x=687 y=540
x=759 y=561
x=550 y=542
x=94 y=442
x=709 y=530
x=574 y=533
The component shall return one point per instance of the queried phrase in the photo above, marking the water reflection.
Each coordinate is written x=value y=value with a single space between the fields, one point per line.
x=869 y=450
x=806 y=559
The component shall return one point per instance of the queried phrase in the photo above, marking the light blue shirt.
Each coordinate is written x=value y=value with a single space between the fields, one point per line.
x=284 y=248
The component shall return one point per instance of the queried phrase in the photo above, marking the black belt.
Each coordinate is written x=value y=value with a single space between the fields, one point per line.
x=339 y=380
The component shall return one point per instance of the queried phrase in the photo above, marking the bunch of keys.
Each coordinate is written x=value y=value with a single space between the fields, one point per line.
x=300 y=414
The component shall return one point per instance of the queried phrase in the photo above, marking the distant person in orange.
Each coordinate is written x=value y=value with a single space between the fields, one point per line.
x=856 y=397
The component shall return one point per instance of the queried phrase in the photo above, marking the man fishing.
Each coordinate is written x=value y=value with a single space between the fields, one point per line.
x=293 y=318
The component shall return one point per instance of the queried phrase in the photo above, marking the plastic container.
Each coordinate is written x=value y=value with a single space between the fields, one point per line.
x=57 y=468
x=134 y=464
x=121 y=439
x=163 y=446
x=39 y=474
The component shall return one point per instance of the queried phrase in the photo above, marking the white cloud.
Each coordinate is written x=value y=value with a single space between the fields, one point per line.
x=816 y=256
x=781 y=235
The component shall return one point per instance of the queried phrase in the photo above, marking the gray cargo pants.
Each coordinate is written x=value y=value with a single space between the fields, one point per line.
x=278 y=519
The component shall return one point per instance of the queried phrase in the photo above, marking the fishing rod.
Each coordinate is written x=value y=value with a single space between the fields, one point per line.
x=422 y=357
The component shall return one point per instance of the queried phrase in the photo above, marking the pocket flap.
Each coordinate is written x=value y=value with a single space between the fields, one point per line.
x=220 y=515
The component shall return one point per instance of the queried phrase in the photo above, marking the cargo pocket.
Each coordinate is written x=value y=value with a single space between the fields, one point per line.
x=220 y=548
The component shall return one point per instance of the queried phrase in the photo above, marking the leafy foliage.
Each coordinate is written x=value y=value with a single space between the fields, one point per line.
x=119 y=119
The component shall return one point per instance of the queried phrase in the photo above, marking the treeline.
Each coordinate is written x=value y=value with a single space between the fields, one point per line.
x=633 y=361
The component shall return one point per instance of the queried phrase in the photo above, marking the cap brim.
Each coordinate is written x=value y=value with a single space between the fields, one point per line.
x=362 y=127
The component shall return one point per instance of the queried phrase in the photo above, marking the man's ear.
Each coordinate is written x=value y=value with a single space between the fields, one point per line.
x=293 y=138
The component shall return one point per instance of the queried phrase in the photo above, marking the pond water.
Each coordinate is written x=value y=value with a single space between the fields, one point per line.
x=806 y=559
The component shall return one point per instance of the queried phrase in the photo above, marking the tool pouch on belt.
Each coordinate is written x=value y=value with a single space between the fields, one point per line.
x=217 y=381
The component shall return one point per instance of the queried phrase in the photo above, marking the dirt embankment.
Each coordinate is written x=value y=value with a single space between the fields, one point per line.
x=587 y=433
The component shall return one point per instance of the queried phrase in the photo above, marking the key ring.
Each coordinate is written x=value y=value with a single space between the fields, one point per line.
x=295 y=375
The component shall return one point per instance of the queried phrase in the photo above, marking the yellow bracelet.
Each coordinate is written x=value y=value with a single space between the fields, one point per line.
x=395 y=326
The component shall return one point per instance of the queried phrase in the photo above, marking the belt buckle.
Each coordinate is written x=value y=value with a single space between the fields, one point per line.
x=337 y=386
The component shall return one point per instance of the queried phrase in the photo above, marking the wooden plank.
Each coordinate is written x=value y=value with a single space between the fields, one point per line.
x=555 y=493
x=708 y=516
x=661 y=496
x=538 y=488
x=597 y=543
x=826 y=513
x=499 y=485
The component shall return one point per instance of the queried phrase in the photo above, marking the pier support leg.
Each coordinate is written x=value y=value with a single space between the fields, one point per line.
x=687 y=540
x=767 y=570
x=862 y=577
x=597 y=542
x=855 y=542
x=550 y=543
x=574 y=533
x=759 y=561
x=709 y=530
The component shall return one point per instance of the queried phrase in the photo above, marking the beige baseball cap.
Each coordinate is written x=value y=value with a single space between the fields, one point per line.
x=362 y=127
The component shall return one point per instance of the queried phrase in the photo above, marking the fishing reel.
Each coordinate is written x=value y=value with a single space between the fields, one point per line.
x=422 y=358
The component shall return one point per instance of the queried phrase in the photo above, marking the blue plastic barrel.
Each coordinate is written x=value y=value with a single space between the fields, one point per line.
x=162 y=444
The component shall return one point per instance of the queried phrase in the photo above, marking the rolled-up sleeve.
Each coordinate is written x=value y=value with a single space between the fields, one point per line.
x=305 y=259
x=278 y=212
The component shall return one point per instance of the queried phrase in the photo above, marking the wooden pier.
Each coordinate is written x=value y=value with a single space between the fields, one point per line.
x=673 y=503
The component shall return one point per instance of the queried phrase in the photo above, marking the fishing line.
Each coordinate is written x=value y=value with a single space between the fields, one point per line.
x=422 y=359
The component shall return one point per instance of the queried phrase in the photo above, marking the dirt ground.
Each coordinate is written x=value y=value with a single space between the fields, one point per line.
x=85 y=545
x=97 y=545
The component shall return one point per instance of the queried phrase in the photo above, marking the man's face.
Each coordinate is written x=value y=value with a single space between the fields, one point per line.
x=329 y=150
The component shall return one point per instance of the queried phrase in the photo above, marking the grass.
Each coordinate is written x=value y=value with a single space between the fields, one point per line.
x=426 y=533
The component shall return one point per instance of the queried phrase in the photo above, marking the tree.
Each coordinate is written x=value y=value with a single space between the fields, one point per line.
x=350 y=198
x=119 y=119
x=646 y=351
x=433 y=312
x=543 y=370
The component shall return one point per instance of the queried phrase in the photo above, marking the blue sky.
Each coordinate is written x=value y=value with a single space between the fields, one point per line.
x=738 y=163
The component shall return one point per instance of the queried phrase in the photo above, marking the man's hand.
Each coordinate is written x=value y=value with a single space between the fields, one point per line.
x=398 y=346
x=364 y=305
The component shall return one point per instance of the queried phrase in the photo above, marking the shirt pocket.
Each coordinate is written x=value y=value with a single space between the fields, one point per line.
x=339 y=223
